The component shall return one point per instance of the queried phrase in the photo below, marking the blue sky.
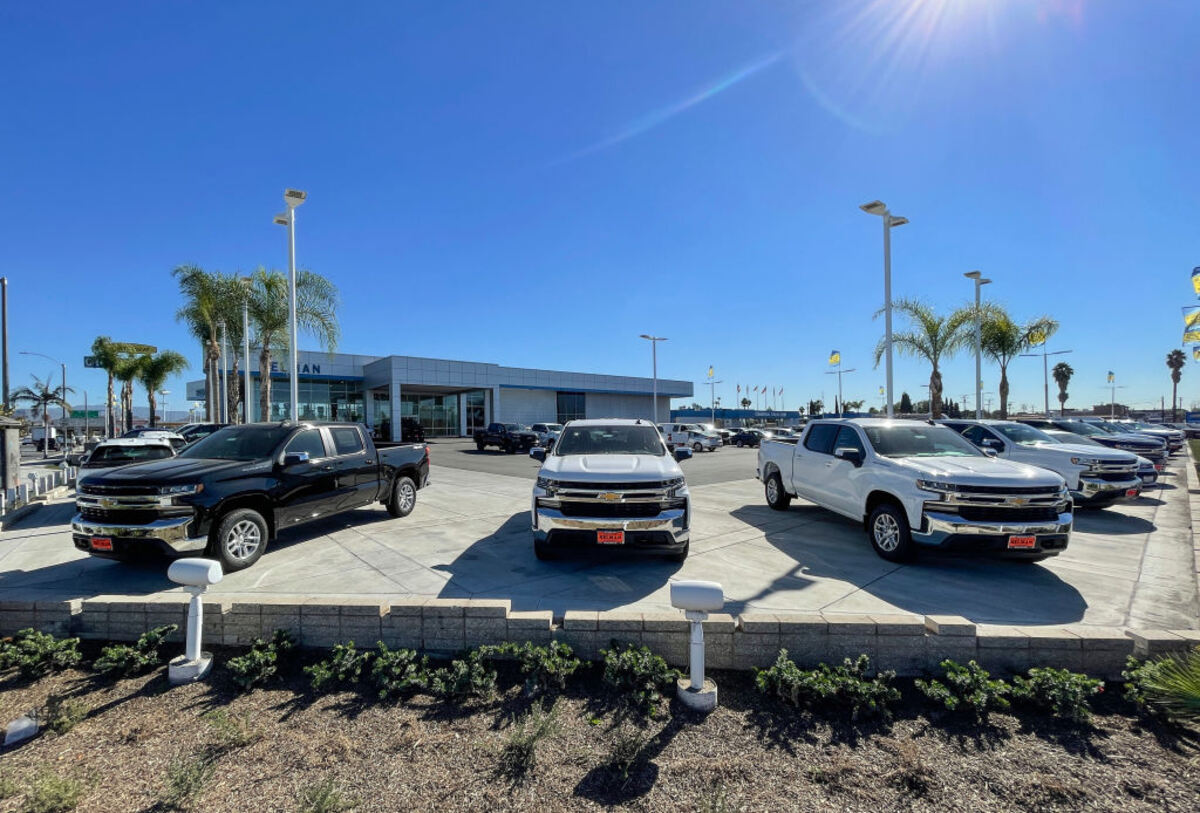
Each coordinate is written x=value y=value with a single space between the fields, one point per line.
x=536 y=184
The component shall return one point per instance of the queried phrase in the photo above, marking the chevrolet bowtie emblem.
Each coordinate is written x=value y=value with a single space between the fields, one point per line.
x=608 y=495
x=1018 y=501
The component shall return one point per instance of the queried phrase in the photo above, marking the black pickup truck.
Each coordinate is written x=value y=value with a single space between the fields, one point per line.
x=230 y=493
x=511 y=437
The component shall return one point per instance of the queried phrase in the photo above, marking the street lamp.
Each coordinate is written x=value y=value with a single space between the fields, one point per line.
x=877 y=207
x=980 y=281
x=246 y=285
x=712 y=398
x=1045 y=370
x=293 y=198
x=166 y=412
x=46 y=441
x=223 y=390
x=654 y=340
x=838 y=372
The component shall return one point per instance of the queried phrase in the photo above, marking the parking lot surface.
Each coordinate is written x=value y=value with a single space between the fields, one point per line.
x=469 y=537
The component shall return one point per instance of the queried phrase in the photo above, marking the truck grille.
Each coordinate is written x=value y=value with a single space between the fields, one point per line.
x=1116 y=476
x=987 y=513
x=117 y=491
x=584 y=485
x=118 y=516
x=616 y=510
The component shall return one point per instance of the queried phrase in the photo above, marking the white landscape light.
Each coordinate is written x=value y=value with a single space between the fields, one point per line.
x=195 y=575
x=697 y=599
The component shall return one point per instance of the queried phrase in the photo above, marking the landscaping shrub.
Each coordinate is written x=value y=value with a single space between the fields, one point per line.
x=123 y=660
x=186 y=777
x=261 y=663
x=51 y=793
x=543 y=666
x=63 y=714
x=325 y=797
x=520 y=751
x=35 y=654
x=464 y=678
x=639 y=675
x=398 y=672
x=846 y=686
x=626 y=751
x=8 y=788
x=343 y=667
x=1168 y=686
x=231 y=731
x=1061 y=692
x=967 y=687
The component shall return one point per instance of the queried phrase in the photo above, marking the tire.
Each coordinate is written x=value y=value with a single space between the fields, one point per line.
x=681 y=555
x=544 y=552
x=697 y=448
x=739 y=444
x=479 y=445
x=234 y=541
x=777 y=497
x=403 y=498
x=890 y=535
x=509 y=448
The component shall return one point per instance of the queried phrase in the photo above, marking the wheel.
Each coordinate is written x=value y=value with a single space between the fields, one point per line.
x=509 y=448
x=403 y=498
x=479 y=444
x=681 y=555
x=890 y=535
x=543 y=551
x=240 y=539
x=739 y=444
x=697 y=448
x=777 y=497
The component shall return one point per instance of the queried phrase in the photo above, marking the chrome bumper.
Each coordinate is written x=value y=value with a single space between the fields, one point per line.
x=1094 y=488
x=941 y=525
x=671 y=520
x=171 y=532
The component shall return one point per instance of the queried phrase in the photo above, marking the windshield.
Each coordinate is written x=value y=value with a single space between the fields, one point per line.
x=1022 y=434
x=513 y=427
x=116 y=455
x=1081 y=428
x=637 y=439
x=1078 y=440
x=554 y=427
x=919 y=440
x=238 y=443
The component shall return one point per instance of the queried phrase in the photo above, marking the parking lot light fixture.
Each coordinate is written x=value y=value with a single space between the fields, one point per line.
x=980 y=281
x=654 y=340
x=877 y=207
x=293 y=198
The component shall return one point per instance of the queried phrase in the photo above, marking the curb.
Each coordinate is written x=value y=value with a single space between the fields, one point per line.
x=16 y=514
x=1193 y=494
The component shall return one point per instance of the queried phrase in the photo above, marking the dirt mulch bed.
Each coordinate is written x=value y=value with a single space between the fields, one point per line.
x=278 y=743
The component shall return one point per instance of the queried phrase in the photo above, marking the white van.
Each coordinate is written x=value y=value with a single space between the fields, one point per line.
x=690 y=435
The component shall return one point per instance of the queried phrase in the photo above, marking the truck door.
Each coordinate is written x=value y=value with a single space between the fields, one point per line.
x=356 y=469
x=308 y=489
x=811 y=463
x=842 y=480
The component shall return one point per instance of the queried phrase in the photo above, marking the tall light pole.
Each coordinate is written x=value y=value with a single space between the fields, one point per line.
x=654 y=340
x=712 y=399
x=293 y=198
x=1045 y=370
x=980 y=281
x=1113 y=386
x=246 y=283
x=46 y=442
x=838 y=372
x=166 y=411
x=877 y=207
x=223 y=390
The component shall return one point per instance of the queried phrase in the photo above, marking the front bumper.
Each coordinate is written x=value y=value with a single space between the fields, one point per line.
x=951 y=532
x=169 y=537
x=666 y=532
x=1148 y=476
x=1094 y=490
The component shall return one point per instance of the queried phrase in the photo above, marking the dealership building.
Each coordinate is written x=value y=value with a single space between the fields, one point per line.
x=448 y=398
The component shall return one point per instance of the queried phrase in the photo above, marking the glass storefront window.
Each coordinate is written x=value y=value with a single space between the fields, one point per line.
x=475 y=404
x=319 y=400
x=436 y=412
x=571 y=406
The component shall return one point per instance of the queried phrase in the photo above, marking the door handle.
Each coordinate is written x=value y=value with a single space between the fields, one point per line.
x=327 y=468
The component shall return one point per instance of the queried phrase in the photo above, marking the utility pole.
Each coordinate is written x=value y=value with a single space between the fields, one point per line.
x=712 y=398
x=4 y=316
x=838 y=372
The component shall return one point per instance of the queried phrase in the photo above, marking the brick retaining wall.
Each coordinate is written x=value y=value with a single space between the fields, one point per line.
x=910 y=644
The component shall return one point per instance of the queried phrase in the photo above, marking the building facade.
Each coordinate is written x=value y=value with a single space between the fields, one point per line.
x=449 y=398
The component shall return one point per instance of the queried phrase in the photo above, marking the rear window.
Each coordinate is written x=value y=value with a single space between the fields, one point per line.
x=820 y=438
x=346 y=440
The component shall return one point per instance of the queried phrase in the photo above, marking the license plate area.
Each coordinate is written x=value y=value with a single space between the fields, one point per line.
x=610 y=537
x=1022 y=542
x=100 y=543
x=1131 y=492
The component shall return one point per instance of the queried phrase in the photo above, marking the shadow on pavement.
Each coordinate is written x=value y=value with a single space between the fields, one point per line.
x=983 y=590
x=44 y=516
x=1112 y=523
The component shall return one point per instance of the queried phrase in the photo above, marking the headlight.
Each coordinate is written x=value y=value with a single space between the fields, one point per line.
x=1084 y=461
x=673 y=485
x=548 y=484
x=936 y=486
x=181 y=491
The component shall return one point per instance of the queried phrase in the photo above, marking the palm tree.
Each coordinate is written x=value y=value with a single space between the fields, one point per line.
x=107 y=357
x=316 y=312
x=42 y=396
x=1175 y=361
x=153 y=373
x=209 y=299
x=1003 y=340
x=746 y=403
x=1062 y=373
x=932 y=337
x=128 y=368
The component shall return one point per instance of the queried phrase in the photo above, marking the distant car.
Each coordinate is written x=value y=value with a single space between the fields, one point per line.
x=725 y=435
x=1191 y=430
x=195 y=431
x=176 y=441
x=546 y=433
x=510 y=437
x=110 y=454
x=1154 y=449
x=1147 y=471
x=411 y=431
x=747 y=437
x=1173 y=437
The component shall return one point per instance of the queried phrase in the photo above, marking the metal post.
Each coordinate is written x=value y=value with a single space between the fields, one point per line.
x=1046 y=379
x=4 y=316
x=978 y=355
x=223 y=411
x=295 y=364
x=654 y=368
x=246 y=350
x=887 y=303
x=64 y=403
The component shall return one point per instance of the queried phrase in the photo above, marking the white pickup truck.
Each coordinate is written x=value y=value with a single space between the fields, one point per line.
x=1097 y=478
x=611 y=483
x=914 y=484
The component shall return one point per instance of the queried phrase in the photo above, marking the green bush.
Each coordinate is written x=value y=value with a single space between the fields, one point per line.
x=520 y=751
x=186 y=778
x=343 y=667
x=544 y=667
x=261 y=663
x=232 y=731
x=1061 y=692
x=8 y=787
x=35 y=654
x=51 y=793
x=639 y=675
x=398 y=672
x=464 y=678
x=967 y=687
x=123 y=660
x=846 y=686
x=1167 y=686
x=63 y=714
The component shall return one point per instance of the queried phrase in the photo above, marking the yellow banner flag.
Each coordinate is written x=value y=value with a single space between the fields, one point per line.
x=1196 y=352
x=835 y=357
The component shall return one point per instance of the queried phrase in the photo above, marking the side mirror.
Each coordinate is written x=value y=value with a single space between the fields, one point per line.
x=991 y=443
x=295 y=458
x=682 y=454
x=538 y=453
x=849 y=454
x=989 y=451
